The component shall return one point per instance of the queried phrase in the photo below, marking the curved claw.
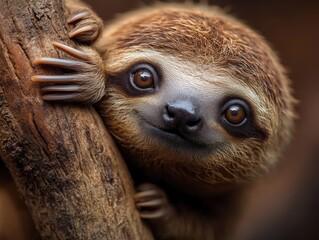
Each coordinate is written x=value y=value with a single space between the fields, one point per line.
x=56 y=79
x=77 y=16
x=146 y=194
x=60 y=97
x=80 y=30
x=71 y=51
x=86 y=82
x=62 y=88
x=153 y=214
x=86 y=25
x=151 y=203
x=63 y=63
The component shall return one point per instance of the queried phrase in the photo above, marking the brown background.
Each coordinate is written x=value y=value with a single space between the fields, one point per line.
x=292 y=28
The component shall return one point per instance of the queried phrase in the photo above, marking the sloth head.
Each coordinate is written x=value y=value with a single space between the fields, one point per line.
x=197 y=91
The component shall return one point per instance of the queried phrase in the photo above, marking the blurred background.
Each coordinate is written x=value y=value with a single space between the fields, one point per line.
x=286 y=205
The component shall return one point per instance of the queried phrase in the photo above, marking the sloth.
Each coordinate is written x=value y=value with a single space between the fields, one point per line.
x=197 y=102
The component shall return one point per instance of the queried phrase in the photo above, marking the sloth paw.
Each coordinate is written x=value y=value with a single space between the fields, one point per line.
x=86 y=25
x=151 y=201
x=84 y=80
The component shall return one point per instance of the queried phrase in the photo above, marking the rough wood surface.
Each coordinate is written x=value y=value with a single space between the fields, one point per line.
x=62 y=159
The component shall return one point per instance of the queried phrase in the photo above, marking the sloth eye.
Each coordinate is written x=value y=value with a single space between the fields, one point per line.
x=235 y=114
x=143 y=78
x=237 y=118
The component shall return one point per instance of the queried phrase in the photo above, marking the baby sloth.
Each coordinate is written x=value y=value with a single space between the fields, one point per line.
x=197 y=102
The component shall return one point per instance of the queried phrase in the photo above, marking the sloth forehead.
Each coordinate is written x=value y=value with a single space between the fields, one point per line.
x=198 y=35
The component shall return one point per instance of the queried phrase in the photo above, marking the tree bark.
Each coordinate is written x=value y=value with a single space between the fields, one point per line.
x=63 y=160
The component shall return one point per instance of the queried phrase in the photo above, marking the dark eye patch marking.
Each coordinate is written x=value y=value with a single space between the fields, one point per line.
x=247 y=127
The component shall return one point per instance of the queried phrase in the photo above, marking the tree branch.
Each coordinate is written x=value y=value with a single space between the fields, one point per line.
x=62 y=159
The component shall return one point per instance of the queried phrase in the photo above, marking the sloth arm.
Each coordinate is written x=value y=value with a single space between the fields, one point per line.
x=85 y=79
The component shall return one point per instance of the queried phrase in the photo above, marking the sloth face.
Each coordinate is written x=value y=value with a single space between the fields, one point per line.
x=183 y=106
x=197 y=89
x=176 y=112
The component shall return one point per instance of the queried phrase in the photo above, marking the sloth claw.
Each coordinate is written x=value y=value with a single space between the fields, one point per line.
x=74 y=17
x=66 y=63
x=84 y=80
x=71 y=51
x=60 y=97
x=62 y=88
x=151 y=201
x=153 y=214
x=146 y=194
x=81 y=31
x=61 y=63
x=56 y=78
x=87 y=25
x=65 y=92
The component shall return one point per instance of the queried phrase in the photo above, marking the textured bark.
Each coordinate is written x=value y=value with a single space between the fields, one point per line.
x=62 y=159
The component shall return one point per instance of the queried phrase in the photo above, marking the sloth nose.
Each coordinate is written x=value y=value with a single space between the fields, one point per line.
x=183 y=117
